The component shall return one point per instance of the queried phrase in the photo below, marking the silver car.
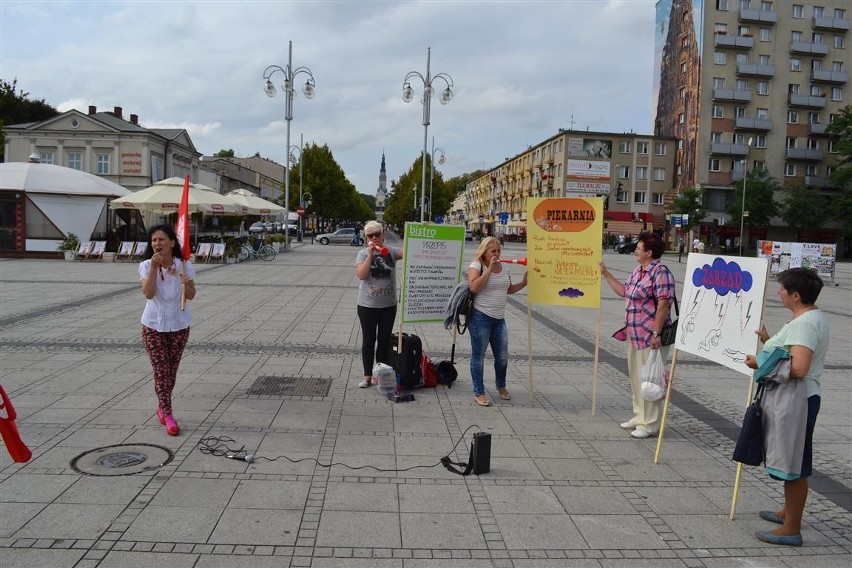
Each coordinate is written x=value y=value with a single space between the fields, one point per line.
x=341 y=236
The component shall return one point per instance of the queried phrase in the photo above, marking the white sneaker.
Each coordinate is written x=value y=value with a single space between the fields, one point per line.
x=363 y=384
x=629 y=424
x=640 y=434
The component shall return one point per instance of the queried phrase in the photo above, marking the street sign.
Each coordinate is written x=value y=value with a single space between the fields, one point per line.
x=301 y=211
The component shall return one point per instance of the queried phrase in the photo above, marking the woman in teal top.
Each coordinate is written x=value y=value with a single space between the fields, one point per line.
x=806 y=337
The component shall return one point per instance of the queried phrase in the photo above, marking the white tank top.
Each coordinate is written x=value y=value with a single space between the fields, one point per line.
x=491 y=300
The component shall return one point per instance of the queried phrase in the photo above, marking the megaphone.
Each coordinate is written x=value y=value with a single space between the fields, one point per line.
x=381 y=250
x=515 y=260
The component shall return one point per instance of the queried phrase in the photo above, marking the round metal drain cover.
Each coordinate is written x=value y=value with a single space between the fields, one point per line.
x=122 y=459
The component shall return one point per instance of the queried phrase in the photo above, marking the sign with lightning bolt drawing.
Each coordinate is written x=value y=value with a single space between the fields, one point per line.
x=721 y=308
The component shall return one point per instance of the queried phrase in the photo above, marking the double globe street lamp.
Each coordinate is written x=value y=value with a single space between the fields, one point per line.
x=309 y=89
x=292 y=159
x=441 y=160
x=426 y=100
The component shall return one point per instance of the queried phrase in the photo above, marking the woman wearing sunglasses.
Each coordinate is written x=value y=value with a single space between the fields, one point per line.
x=375 y=267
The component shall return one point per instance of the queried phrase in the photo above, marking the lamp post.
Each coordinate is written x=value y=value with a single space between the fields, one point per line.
x=307 y=200
x=441 y=160
x=743 y=211
x=292 y=160
x=309 y=89
x=426 y=99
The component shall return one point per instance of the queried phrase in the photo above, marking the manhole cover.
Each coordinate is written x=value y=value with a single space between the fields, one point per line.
x=291 y=386
x=122 y=459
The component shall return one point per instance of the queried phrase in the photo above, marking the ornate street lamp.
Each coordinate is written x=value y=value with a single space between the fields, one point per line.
x=426 y=100
x=441 y=160
x=309 y=89
x=292 y=159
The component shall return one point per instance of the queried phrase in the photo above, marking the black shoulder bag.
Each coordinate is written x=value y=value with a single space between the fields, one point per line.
x=749 y=449
x=669 y=332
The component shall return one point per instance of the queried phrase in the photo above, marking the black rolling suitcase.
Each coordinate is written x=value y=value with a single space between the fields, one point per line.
x=408 y=362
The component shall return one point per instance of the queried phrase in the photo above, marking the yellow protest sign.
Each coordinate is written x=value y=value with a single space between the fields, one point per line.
x=564 y=250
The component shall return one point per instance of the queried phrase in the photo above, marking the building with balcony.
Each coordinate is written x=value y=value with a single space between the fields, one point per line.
x=745 y=85
x=634 y=173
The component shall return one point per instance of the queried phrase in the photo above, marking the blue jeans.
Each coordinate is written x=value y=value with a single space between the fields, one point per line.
x=485 y=330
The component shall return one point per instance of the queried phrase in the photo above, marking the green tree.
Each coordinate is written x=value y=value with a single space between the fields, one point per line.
x=804 y=208
x=840 y=201
x=760 y=190
x=225 y=153
x=18 y=108
x=333 y=196
x=691 y=203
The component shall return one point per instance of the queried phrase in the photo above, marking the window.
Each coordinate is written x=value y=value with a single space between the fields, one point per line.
x=795 y=36
x=738 y=166
x=46 y=157
x=745 y=4
x=683 y=67
x=621 y=195
x=760 y=141
x=839 y=13
x=657 y=198
x=795 y=64
x=762 y=88
x=759 y=166
x=624 y=147
x=798 y=11
x=765 y=6
x=718 y=111
x=684 y=43
x=817 y=37
x=829 y=170
x=719 y=58
x=810 y=170
x=102 y=161
x=742 y=58
x=836 y=93
x=714 y=165
x=623 y=172
x=682 y=92
x=818 y=11
x=739 y=138
x=838 y=42
x=762 y=113
x=659 y=174
x=816 y=65
x=765 y=34
x=813 y=144
x=816 y=91
x=642 y=172
x=681 y=118
x=837 y=66
x=718 y=82
x=720 y=28
x=831 y=117
x=739 y=112
x=792 y=117
x=641 y=147
x=722 y=5
x=660 y=149
x=763 y=60
x=793 y=88
x=744 y=31
x=790 y=142
x=813 y=118
x=832 y=146
x=639 y=197
x=75 y=160
x=715 y=137
x=680 y=143
x=789 y=169
x=742 y=85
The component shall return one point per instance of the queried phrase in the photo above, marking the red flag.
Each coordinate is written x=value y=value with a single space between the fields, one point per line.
x=183 y=222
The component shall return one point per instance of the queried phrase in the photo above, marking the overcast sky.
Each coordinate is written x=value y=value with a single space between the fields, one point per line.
x=521 y=71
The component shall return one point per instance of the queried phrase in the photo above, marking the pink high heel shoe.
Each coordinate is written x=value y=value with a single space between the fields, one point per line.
x=161 y=416
x=172 y=428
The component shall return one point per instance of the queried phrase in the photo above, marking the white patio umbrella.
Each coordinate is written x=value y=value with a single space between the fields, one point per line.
x=164 y=197
x=254 y=205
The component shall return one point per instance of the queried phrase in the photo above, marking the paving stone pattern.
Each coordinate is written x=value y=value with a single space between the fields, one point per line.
x=346 y=478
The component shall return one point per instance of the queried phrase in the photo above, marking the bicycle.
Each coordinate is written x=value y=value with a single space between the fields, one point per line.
x=265 y=252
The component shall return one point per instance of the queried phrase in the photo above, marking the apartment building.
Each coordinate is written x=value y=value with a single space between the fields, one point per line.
x=633 y=172
x=751 y=85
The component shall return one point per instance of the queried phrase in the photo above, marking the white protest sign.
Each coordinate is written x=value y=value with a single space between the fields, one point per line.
x=433 y=257
x=721 y=308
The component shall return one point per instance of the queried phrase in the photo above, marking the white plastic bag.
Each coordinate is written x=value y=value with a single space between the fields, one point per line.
x=654 y=379
x=384 y=377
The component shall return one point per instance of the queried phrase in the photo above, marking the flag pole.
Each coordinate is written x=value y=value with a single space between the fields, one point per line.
x=183 y=238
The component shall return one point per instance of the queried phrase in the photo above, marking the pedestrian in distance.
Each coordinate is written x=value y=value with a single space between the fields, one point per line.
x=806 y=337
x=375 y=267
x=165 y=323
x=491 y=283
x=648 y=294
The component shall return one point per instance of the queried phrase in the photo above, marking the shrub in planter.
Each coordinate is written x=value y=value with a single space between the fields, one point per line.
x=70 y=242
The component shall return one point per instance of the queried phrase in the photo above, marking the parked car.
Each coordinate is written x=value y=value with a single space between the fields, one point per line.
x=257 y=227
x=628 y=247
x=340 y=236
x=468 y=236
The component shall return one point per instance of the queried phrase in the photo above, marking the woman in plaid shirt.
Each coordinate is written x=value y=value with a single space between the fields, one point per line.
x=647 y=294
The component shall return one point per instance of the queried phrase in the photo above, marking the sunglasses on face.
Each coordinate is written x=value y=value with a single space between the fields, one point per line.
x=373 y=235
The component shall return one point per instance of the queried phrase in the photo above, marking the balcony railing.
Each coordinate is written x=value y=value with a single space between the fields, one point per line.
x=816 y=181
x=805 y=154
x=718 y=148
x=833 y=24
x=835 y=77
x=758 y=16
x=744 y=123
x=806 y=101
x=737 y=176
x=755 y=70
x=808 y=48
x=737 y=95
x=733 y=42
x=815 y=129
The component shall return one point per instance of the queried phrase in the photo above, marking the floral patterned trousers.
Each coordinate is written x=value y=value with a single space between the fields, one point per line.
x=165 y=350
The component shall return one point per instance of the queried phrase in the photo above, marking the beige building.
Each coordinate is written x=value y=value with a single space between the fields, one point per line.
x=633 y=172
x=750 y=85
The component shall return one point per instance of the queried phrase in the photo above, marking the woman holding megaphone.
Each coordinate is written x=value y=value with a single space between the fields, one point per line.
x=375 y=267
x=491 y=283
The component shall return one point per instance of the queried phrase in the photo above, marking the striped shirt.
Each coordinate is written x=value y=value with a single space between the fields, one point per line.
x=491 y=300
x=642 y=290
